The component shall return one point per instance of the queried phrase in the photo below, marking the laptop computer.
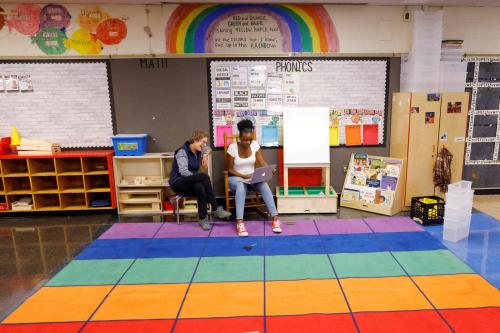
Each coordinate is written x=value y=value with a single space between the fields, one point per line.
x=262 y=174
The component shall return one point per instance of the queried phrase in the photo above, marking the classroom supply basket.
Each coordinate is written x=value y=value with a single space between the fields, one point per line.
x=130 y=144
x=427 y=210
x=4 y=145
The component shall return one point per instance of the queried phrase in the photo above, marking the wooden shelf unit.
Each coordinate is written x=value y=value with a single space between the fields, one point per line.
x=318 y=201
x=69 y=180
x=147 y=194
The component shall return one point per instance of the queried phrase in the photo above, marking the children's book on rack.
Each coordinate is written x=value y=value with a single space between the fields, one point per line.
x=372 y=184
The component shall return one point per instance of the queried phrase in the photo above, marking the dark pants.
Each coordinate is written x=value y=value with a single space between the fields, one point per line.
x=199 y=186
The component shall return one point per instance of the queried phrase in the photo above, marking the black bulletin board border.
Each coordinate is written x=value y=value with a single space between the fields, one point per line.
x=387 y=75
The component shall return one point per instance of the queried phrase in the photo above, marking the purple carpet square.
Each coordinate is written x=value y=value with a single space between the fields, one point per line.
x=393 y=224
x=183 y=230
x=302 y=227
x=228 y=229
x=342 y=226
x=131 y=230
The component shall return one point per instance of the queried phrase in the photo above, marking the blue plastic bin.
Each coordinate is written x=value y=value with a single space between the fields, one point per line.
x=130 y=144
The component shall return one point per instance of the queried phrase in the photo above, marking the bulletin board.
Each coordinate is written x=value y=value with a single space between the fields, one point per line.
x=354 y=90
x=482 y=163
x=372 y=183
x=66 y=102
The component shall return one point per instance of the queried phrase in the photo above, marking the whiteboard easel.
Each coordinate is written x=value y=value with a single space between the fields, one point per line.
x=306 y=144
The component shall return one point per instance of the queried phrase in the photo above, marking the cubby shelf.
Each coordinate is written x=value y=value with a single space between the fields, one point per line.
x=79 y=180
x=142 y=184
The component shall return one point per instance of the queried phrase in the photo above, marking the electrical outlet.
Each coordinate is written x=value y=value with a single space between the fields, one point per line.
x=345 y=168
x=406 y=16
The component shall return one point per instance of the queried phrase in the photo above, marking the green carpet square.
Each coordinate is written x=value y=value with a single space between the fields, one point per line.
x=91 y=272
x=375 y=264
x=298 y=267
x=160 y=270
x=431 y=262
x=223 y=269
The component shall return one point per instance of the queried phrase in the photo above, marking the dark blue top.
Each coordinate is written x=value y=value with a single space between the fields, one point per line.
x=186 y=163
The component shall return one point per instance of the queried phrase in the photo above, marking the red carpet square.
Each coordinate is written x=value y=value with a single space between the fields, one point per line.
x=404 y=321
x=220 y=325
x=485 y=320
x=41 y=328
x=126 y=326
x=317 y=323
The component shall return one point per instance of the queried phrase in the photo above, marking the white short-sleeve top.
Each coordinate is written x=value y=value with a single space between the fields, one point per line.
x=244 y=166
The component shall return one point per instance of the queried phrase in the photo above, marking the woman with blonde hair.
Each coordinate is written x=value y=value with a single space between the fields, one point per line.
x=186 y=179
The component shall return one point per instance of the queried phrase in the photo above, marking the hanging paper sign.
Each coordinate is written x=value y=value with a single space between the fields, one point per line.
x=54 y=16
x=291 y=83
x=240 y=99
x=26 y=19
x=223 y=99
x=291 y=100
x=25 y=83
x=275 y=104
x=240 y=76
x=83 y=43
x=222 y=77
x=111 y=31
x=50 y=41
x=257 y=76
x=258 y=99
x=11 y=83
x=274 y=83
x=91 y=16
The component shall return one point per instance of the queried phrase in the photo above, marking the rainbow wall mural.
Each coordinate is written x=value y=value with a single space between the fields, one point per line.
x=304 y=28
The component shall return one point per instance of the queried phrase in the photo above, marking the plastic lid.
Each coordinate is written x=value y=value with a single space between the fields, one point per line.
x=130 y=136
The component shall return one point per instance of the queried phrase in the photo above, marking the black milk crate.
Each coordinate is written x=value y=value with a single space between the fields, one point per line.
x=427 y=210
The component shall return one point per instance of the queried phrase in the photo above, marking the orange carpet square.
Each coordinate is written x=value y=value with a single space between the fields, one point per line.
x=304 y=297
x=383 y=294
x=56 y=304
x=148 y=301
x=458 y=291
x=228 y=299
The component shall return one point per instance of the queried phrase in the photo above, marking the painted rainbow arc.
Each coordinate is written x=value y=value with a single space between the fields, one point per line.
x=304 y=28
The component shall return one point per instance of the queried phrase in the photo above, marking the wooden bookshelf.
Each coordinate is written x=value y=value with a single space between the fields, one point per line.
x=142 y=184
x=73 y=180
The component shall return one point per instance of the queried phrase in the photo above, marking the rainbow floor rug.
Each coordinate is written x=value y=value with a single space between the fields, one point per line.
x=358 y=275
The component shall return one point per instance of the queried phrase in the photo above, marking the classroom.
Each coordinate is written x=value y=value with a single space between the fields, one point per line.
x=249 y=167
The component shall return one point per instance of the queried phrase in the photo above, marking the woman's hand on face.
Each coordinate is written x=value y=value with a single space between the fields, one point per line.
x=204 y=161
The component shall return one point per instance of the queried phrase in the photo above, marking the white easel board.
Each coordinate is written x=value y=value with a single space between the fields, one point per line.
x=306 y=136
